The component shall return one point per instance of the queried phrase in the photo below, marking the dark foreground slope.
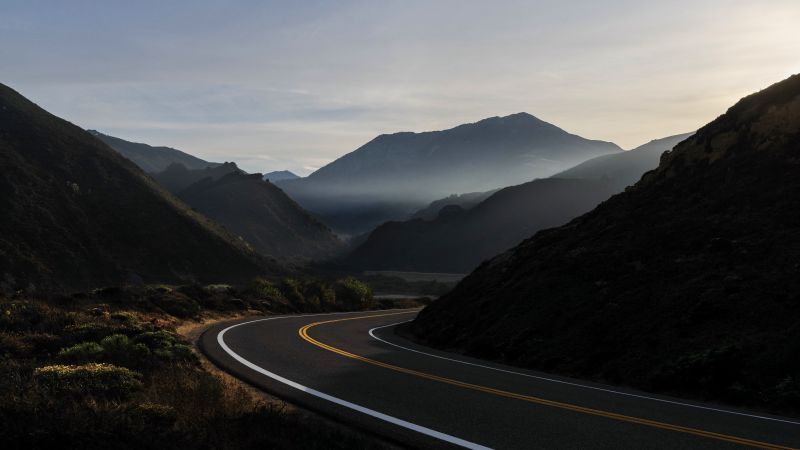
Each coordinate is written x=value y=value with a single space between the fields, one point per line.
x=254 y=209
x=458 y=240
x=689 y=281
x=75 y=213
x=152 y=159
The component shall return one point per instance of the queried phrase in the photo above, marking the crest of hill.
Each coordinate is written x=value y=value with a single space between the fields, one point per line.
x=687 y=282
x=77 y=214
x=625 y=169
x=152 y=159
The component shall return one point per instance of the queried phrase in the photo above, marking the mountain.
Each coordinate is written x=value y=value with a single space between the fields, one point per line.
x=688 y=282
x=78 y=214
x=280 y=175
x=152 y=159
x=624 y=169
x=394 y=175
x=457 y=240
x=255 y=209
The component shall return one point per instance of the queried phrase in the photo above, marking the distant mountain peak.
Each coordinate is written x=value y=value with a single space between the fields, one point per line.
x=280 y=175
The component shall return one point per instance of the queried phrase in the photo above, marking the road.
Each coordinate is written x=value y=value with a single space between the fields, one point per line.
x=353 y=368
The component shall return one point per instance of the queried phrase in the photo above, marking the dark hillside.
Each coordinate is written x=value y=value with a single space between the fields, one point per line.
x=687 y=282
x=76 y=213
x=262 y=214
x=457 y=240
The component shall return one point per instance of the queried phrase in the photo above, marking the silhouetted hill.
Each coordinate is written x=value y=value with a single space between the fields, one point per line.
x=152 y=159
x=465 y=201
x=280 y=175
x=261 y=213
x=458 y=239
x=624 y=169
x=177 y=177
x=687 y=282
x=394 y=175
x=76 y=213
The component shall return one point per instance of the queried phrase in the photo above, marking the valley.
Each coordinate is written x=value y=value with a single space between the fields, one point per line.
x=399 y=225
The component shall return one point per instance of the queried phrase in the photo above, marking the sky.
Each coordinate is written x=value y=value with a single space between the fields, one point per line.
x=296 y=84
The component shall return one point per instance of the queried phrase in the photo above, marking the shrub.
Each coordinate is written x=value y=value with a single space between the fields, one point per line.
x=292 y=290
x=100 y=380
x=166 y=346
x=265 y=290
x=84 y=352
x=354 y=294
x=321 y=294
x=119 y=349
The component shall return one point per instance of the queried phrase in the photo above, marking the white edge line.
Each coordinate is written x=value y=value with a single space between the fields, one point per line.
x=338 y=401
x=553 y=380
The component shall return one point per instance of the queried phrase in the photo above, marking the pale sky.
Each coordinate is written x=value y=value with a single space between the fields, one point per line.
x=296 y=84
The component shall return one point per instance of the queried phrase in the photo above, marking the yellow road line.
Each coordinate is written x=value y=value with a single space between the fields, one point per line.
x=595 y=412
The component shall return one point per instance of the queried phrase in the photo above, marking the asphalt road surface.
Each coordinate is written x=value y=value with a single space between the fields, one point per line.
x=353 y=368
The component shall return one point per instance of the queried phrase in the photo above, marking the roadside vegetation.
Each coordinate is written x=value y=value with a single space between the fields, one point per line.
x=107 y=369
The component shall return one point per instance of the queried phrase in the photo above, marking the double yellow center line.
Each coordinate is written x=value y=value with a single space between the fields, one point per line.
x=527 y=398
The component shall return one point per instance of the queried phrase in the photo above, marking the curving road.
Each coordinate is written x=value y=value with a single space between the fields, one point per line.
x=353 y=368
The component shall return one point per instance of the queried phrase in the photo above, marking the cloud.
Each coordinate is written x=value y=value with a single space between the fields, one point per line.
x=294 y=85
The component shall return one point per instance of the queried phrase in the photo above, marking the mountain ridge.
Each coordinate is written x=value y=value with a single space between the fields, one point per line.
x=79 y=214
x=393 y=175
x=152 y=159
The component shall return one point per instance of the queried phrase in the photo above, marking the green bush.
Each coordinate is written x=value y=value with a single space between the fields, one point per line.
x=265 y=290
x=120 y=349
x=144 y=350
x=292 y=290
x=354 y=294
x=321 y=294
x=100 y=380
x=83 y=352
x=166 y=346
